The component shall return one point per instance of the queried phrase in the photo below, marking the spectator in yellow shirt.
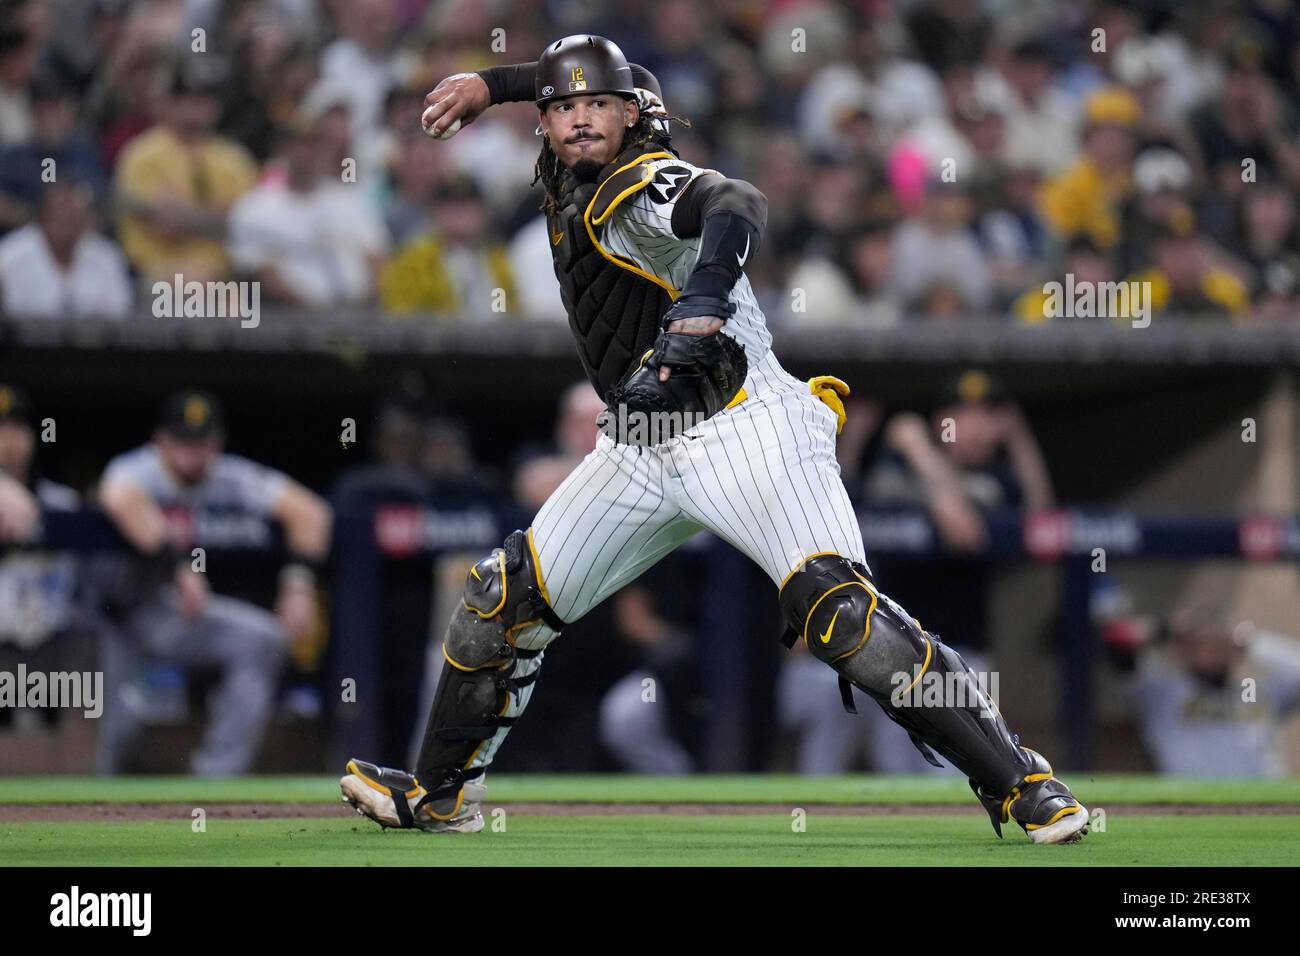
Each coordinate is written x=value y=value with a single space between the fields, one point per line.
x=1087 y=264
x=174 y=185
x=1186 y=281
x=1087 y=197
x=457 y=268
x=1182 y=281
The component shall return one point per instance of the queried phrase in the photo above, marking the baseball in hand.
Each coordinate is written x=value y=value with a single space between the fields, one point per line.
x=446 y=133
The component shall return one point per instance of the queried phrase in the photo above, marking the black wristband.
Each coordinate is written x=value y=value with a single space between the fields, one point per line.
x=517 y=82
x=694 y=306
x=510 y=84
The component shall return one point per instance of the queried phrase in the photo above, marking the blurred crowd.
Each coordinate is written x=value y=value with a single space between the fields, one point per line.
x=941 y=158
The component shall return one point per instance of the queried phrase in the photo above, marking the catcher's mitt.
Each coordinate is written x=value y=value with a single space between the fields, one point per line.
x=707 y=373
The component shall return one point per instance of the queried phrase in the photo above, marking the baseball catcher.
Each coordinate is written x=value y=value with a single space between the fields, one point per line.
x=704 y=430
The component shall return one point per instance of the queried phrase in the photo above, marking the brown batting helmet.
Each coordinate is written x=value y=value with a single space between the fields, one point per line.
x=582 y=65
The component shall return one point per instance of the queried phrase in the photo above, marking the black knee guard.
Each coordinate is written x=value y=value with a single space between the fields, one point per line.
x=828 y=602
x=879 y=648
x=502 y=594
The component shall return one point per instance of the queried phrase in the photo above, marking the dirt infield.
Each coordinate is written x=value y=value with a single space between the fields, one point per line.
x=95 y=812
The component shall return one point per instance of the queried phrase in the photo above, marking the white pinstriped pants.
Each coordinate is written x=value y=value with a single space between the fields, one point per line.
x=761 y=475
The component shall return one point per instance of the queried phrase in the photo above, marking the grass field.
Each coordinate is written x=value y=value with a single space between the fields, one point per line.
x=629 y=820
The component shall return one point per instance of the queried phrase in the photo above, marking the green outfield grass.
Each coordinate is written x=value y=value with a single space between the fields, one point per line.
x=767 y=839
x=663 y=841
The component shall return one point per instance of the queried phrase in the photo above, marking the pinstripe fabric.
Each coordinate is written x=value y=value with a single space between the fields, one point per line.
x=612 y=518
x=769 y=464
x=761 y=475
x=641 y=230
x=607 y=522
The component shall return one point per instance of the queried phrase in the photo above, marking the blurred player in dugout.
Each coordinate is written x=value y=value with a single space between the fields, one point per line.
x=160 y=496
x=39 y=608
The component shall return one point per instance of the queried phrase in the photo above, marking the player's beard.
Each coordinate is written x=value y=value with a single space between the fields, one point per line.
x=587 y=170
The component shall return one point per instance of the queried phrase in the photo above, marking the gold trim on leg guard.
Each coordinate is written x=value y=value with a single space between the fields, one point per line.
x=487 y=678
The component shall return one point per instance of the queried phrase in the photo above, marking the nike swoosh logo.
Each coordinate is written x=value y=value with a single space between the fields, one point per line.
x=740 y=260
x=556 y=237
x=826 y=638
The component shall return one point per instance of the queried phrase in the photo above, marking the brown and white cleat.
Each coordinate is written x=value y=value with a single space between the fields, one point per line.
x=1067 y=825
x=1043 y=806
x=395 y=799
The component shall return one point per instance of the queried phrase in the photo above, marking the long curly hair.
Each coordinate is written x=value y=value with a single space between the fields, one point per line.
x=548 y=168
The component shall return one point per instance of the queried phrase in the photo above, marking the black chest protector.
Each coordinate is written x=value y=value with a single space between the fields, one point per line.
x=614 y=307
